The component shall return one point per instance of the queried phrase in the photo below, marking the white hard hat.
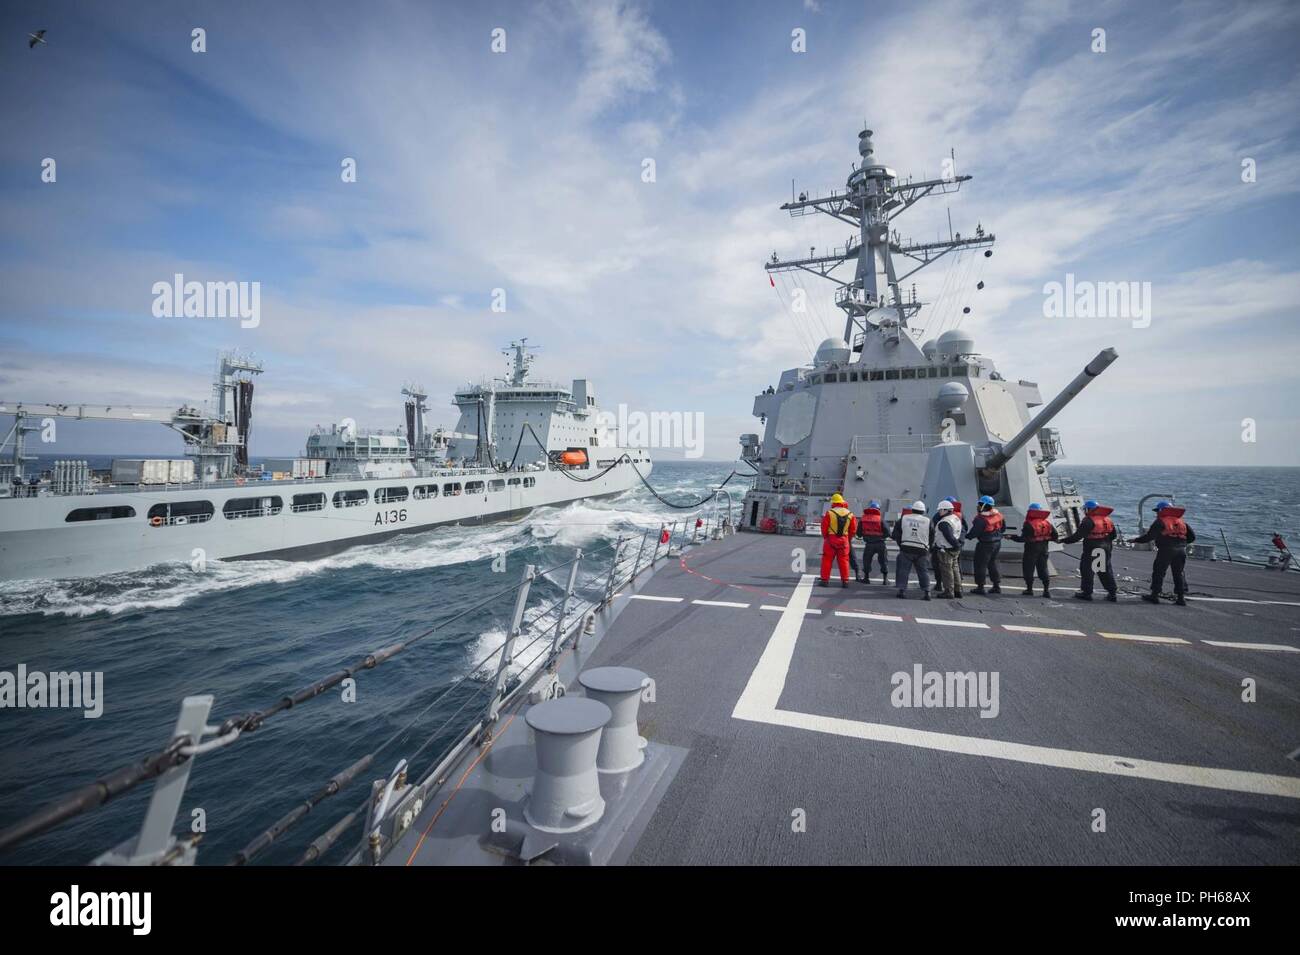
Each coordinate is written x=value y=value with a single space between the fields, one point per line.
x=918 y=506
x=943 y=506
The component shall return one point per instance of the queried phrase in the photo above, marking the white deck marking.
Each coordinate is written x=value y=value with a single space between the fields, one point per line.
x=671 y=600
x=952 y=623
x=1141 y=637
x=867 y=616
x=781 y=609
x=1233 y=780
x=1242 y=600
x=763 y=691
x=720 y=603
x=1252 y=646
x=758 y=704
x=1064 y=633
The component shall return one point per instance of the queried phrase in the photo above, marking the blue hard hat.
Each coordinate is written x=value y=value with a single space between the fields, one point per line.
x=1160 y=505
x=1089 y=505
x=986 y=500
x=1037 y=507
x=951 y=500
x=875 y=504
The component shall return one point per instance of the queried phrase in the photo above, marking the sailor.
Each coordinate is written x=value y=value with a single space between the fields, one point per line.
x=1283 y=560
x=934 y=550
x=1171 y=535
x=946 y=538
x=838 y=525
x=1097 y=531
x=912 y=534
x=986 y=530
x=873 y=529
x=1037 y=533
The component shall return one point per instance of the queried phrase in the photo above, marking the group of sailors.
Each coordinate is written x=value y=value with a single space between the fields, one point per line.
x=935 y=545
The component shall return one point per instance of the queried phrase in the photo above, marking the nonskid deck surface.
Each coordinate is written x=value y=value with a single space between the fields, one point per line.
x=773 y=699
x=781 y=693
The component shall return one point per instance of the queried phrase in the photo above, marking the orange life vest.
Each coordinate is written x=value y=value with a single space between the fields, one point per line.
x=1171 y=523
x=1039 y=527
x=993 y=521
x=1102 y=525
x=871 y=525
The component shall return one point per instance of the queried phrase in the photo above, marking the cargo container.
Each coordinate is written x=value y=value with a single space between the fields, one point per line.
x=141 y=471
x=180 y=471
x=296 y=467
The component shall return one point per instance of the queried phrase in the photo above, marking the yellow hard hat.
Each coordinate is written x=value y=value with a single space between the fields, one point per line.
x=837 y=499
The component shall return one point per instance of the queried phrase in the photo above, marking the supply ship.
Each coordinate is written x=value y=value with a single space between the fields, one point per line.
x=519 y=444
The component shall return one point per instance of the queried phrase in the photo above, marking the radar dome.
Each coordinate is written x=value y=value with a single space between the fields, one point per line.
x=956 y=342
x=952 y=396
x=929 y=348
x=831 y=350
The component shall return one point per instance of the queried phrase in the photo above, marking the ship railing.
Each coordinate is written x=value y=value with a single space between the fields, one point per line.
x=893 y=443
x=552 y=610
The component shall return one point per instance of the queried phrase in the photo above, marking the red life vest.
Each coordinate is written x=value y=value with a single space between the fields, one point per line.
x=1102 y=525
x=1039 y=528
x=871 y=525
x=956 y=507
x=993 y=521
x=1171 y=523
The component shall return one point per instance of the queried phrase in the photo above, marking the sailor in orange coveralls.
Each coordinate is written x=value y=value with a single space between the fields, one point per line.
x=838 y=528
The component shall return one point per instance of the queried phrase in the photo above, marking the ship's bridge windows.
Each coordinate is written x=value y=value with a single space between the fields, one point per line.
x=473 y=487
x=390 y=495
x=891 y=374
x=853 y=376
x=424 y=491
x=353 y=498
x=909 y=373
x=496 y=485
x=876 y=375
x=451 y=490
x=308 y=502
x=238 y=508
x=530 y=482
x=100 y=513
x=932 y=372
x=180 y=512
x=513 y=482
x=960 y=371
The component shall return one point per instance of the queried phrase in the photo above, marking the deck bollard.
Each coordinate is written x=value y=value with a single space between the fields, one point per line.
x=566 y=790
x=619 y=688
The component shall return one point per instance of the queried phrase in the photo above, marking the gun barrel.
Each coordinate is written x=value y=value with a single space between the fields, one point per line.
x=1071 y=391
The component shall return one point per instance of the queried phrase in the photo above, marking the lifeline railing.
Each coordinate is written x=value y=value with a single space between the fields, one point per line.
x=537 y=636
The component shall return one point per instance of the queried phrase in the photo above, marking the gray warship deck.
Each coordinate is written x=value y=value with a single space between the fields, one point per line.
x=774 y=697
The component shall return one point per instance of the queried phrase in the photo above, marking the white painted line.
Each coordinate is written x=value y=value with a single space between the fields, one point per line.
x=781 y=609
x=1252 y=646
x=720 y=603
x=1064 y=633
x=763 y=691
x=1240 y=600
x=1141 y=637
x=952 y=623
x=1234 y=780
x=671 y=600
x=867 y=616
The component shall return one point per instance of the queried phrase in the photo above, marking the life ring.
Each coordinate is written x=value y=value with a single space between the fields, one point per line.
x=798 y=523
x=155 y=522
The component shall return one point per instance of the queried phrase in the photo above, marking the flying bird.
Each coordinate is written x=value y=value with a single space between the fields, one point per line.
x=35 y=38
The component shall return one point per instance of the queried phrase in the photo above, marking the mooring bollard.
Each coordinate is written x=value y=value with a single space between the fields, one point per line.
x=619 y=688
x=566 y=790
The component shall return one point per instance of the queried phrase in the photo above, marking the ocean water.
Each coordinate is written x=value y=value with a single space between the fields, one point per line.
x=248 y=632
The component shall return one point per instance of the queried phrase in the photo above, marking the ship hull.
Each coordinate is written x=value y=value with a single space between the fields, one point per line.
x=37 y=542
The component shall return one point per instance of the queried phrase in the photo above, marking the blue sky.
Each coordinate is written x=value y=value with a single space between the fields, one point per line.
x=522 y=171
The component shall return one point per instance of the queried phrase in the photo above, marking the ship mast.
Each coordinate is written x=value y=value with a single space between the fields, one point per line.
x=872 y=198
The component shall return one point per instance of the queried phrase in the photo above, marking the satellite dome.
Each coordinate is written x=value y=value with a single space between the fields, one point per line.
x=956 y=342
x=831 y=350
x=952 y=396
x=929 y=348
